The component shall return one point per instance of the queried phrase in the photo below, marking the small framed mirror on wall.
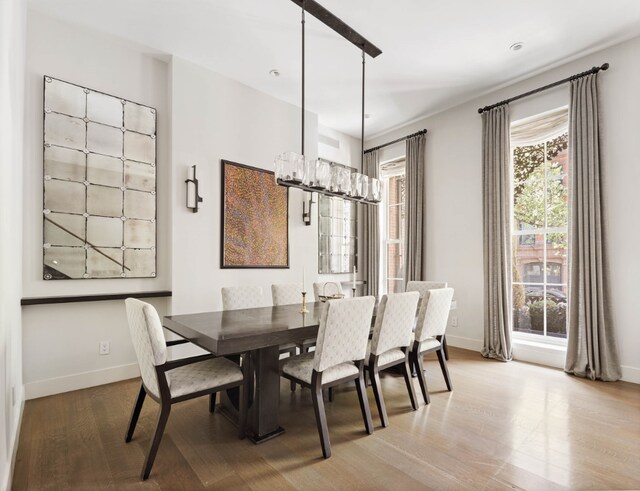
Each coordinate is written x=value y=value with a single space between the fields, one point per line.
x=337 y=233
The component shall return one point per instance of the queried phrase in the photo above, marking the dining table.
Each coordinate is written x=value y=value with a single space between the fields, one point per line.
x=257 y=331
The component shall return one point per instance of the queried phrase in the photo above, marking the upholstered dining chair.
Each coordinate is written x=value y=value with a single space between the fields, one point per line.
x=430 y=329
x=326 y=288
x=241 y=297
x=170 y=381
x=422 y=287
x=339 y=358
x=389 y=345
x=286 y=294
x=289 y=294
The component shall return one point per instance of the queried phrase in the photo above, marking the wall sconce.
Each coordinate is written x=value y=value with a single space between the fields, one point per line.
x=193 y=198
x=306 y=209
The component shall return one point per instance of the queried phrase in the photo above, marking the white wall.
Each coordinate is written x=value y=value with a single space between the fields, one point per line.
x=202 y=118
x=12 y=70
x=454 y=191
x=60 y=342
x=217 y=118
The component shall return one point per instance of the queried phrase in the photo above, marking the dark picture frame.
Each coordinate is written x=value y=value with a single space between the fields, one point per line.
x=255 y=219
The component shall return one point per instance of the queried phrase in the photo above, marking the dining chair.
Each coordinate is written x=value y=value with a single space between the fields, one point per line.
x=422 y=287
x=326 y=288
x=339 y=358
x=389 y=345
x=286 y=294
x=430 y=329
x=170 y=381
x=241 y=297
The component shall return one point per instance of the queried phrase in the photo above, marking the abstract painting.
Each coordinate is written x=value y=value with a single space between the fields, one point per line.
x=255 y=218
x=99 y=213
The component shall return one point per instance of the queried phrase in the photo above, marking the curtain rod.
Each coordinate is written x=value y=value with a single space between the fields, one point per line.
x=421 y=132
x=595 y=69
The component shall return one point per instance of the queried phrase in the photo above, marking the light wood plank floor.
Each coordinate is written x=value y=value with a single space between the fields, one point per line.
x=504 y=426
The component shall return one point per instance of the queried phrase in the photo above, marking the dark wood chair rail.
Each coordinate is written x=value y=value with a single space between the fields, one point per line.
x=93 y=298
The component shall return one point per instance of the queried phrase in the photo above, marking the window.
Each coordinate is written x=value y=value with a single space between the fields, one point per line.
x=392 y=208
x=540 y=216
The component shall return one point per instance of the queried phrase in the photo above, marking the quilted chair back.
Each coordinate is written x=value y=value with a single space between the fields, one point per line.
x=328 y=288
x=394 y=321
x=434 y=312
x=148 y=341
x=286 y=294
x=423 y=287
x=241 y=297
x=343 y=332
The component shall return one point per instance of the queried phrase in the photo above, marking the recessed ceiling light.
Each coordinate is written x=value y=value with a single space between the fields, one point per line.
x=517 y=46
x=274 y=73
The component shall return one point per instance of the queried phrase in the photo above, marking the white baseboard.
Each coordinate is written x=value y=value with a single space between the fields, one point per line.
x=465 y=343
x=58 y=385
x=630 y=374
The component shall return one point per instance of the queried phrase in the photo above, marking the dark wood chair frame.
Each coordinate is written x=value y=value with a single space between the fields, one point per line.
x=416 y=359
x=166 y=401
x=374 y=369
x=316 y=387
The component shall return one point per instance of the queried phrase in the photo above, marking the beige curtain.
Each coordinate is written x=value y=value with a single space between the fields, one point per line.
x=371 y=230
x=591 y=347
x=414 y=206
x=497 y=205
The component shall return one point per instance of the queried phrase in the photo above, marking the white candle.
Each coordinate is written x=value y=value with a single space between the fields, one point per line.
x=354 y=277
x=303 y=279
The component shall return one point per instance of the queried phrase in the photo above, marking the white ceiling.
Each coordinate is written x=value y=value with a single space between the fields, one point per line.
x=435 y=53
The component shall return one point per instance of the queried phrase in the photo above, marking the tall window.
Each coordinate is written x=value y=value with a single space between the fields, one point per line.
x=540 y=215
x=392 y=209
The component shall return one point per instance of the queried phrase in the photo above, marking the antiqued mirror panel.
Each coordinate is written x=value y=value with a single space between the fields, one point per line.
x=99 y=184
x=337 y=228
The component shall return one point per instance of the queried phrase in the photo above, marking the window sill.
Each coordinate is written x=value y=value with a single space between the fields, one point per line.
x=548 y=354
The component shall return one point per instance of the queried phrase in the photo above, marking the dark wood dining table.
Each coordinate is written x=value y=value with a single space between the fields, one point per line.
x=260 y=332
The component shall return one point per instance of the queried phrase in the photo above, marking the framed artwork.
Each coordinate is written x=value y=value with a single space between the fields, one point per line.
x=255 y=218
x=99 y=185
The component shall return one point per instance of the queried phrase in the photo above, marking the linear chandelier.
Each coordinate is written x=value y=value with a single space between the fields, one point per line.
x=293 y=169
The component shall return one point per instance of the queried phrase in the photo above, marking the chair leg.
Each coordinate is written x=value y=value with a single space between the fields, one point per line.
x=374 y=375
x=163 y=416
x=321 y=420
x=418 y=364
x=135 y=413
x=443 y=366
x=292 y=352
x=445 y=347
x=364 y=404
x=407 y=380
x=212 y=401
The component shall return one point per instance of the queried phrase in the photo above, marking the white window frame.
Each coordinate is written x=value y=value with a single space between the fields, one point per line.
x=539 y=338
x=384 y=220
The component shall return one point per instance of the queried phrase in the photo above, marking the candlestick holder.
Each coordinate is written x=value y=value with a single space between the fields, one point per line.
x=304 y=309
x=353 y=292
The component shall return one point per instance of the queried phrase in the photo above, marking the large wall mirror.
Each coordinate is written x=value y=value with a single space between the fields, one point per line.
x=99 y=211
x=337 y=234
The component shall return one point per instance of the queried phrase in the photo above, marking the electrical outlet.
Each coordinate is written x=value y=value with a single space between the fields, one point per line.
x=454 y=321
x=104 y=347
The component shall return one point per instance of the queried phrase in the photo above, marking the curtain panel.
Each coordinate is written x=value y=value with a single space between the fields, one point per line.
x=371 y=230
x=497 y=210
x=591 y=346
x=414 y=209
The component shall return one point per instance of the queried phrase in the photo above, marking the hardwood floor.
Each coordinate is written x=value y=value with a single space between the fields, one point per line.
x=504 y=426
